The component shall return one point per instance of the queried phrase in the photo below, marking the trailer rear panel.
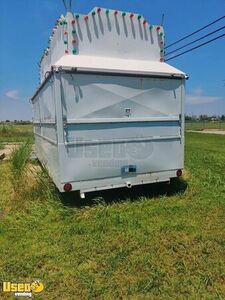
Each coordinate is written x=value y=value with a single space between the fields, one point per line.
x=109 y=110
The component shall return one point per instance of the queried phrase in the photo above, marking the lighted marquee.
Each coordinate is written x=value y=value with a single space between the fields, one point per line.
x=104 y=33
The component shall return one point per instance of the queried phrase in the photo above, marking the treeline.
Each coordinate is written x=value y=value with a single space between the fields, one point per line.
x=21 y=122
x=213 y=118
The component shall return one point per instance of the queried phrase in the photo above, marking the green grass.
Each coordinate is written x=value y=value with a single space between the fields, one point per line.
x=157 y=242
x=19 y=159
x=13 y=133
x=200 y=125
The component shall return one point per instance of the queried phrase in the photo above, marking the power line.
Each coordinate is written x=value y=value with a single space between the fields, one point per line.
x=204 y=36
x=220 y=36
x=185 y=37
x=64 y=3
x=67 y=6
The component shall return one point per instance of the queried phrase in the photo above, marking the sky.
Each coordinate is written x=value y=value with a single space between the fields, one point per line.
x=25 y=26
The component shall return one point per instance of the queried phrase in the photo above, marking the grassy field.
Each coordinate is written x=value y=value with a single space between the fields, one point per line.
x=12 y=133
x=157 y=242
x=200 y=125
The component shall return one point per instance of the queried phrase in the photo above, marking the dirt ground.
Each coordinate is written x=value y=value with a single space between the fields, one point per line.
x=8 y=148
x=213 y=131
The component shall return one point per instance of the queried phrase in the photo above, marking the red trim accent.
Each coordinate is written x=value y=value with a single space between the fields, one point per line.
x=67 y=187
x=179 y=173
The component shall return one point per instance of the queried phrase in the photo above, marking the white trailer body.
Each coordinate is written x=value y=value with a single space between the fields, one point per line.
x=104 y=116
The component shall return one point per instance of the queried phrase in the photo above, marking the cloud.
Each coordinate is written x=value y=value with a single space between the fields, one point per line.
x=13 y=94
x=197 y=98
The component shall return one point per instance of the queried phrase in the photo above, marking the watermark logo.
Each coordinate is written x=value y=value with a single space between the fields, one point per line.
x=111 y=155
x=23 y=289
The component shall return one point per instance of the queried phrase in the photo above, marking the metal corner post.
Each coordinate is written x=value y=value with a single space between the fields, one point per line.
x=58 y=105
